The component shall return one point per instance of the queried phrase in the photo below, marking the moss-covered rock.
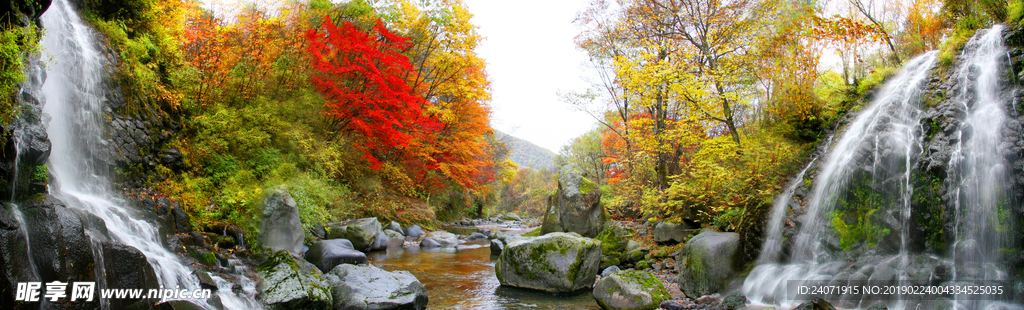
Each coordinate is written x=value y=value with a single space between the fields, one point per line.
x=362 y=232
x=706 y=263
x=290 y=282
x=369 y=287
x=630 y=289
x=556 y=262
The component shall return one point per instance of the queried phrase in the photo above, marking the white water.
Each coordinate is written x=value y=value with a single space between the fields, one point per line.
x=884 y=132
x=880 y=146
x=772 y=247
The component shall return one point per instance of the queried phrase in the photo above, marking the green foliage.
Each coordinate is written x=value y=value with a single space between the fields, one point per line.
x=852 y=219
x=14 y=43
x=875 y=79
x=41 y=174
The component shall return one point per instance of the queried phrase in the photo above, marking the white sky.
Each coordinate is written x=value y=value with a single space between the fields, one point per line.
x=530 y=56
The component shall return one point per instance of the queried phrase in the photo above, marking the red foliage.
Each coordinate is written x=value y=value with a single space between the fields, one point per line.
x=365 y=85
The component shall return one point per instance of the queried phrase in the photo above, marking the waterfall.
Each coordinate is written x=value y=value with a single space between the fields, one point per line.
x=858 y=222
x=76 y=100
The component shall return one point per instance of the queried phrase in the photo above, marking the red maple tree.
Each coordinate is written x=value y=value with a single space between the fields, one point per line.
x=367 y=93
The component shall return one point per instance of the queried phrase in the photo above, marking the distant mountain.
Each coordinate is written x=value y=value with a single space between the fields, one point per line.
x=525 y=153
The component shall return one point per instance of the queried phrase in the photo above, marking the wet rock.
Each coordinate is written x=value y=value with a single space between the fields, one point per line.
x=476 y=237
x=706 y=263
x=380 y=243
x=60 y=247
x=362 y=232
x=334 y=231
x=369 y=287
x=630 y=289
x=280 y=228
x=444 y=238
x=428 y=243
x=326 y=254
x=496 y=247
x=205 y=280
x=290 y=282
x=556 y=262
x=15 y=263
x=413 y=231
x=127 y=268
x=735 y=301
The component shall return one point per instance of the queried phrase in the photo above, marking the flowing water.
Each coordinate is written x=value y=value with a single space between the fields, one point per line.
x=464 y=279
x=75 y=99
x=866 y=180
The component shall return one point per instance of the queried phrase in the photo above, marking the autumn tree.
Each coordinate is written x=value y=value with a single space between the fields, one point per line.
x=367 y=95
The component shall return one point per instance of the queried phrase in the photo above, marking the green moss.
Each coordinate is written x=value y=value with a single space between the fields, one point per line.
x=587 y=186
x=533 y=233
x=41 y=174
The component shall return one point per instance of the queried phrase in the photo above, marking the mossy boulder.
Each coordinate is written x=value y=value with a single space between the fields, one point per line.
x=672 y=233
x=556 y=263
x=362 y=232
x=290 y=282
x=630 y=289
x=579 y=203
x=706 y=263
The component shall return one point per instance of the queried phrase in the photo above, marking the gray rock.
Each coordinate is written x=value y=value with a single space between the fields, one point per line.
x=735 y=301
x=335 y=231
x=395 y=239
x=413 y=231
x=672 y=305
x=369 y=287
x=394 y=226
x=577 y=203
x=280 y=228
x=362 y=232
x=608 y=271
x=476 y=237
x=511 y=217
x=706 y=263
x=127 y=268
x=292 y=283
x=381 y=243
x=429 y=243
x=665 y=232
x=326 y=254
x=444 y=238
x=15 y=264
x=496 y=247
x=630 y=289
x=556 y=262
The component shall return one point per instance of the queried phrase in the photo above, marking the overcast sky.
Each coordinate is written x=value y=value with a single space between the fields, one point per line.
x=530 y=57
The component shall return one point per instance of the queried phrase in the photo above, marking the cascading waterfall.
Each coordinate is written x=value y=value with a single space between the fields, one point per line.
x=979 y=162
x=883 y=133
x=859 y=224
x=75 y=100
x=772 y=247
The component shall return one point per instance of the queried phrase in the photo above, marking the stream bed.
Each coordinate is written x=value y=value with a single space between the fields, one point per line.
x=463 y=278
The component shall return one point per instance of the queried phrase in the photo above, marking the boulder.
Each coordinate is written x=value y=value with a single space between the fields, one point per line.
x=413 y=231
x=280 y=228
x=630 y=289
x=335 y=231
x=395 y=239
x=735 y=301
x=428 y=243
x=15 y=264
x=665 y=232
x=556 y=263
x=496 y=247
x=292 y=283
x=577 y=203
x=608 y=271
x=476 y=237
x=127 y=268
x=326 y=254
x=705 y=264
x=362 y=232
x=393 y=226
x=380 y=243
x=443 y=238
x=369 y=287
x=511 y=217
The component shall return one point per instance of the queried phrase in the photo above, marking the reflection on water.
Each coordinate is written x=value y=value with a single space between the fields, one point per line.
x=464 y=279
